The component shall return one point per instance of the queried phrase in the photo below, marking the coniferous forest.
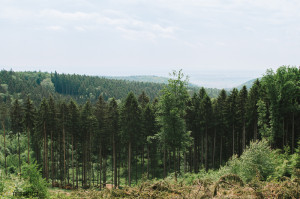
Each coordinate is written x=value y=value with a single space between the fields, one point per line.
x=82 y=132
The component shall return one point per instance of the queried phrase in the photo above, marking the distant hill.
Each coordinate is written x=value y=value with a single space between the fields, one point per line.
x=141 y=78
x=17 y=85
x=145 y=78
x=248 y=85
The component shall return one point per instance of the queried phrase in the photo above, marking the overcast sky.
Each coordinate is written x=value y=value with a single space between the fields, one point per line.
x=218 y=43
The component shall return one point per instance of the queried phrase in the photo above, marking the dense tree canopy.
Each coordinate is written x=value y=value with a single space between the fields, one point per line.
x=110 y=141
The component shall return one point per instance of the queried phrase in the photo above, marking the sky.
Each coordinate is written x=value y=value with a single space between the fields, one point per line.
x=217 y=43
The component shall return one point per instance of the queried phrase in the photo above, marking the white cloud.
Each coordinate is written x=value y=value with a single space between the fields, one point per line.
x=55 y=28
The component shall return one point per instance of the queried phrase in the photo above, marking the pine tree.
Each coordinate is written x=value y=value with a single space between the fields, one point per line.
x=242 y=101
x=102 y=136
x=113 y=129
x=43 y=128
x=73 y=128
x=252 y=115
x=3 y=118
x=130 y=126
x=232 y=116
x=221 y=118
x=16 y=124
x=29 y=119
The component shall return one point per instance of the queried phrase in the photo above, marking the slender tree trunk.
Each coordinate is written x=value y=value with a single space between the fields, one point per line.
x=77 y=167
x=3 y=124
x=178 y=163
x=175 y=166
x=115 y=161
x=206 y=149
x=100 y=157
x=233 y=140
x=148 y=160
x=165 y=162
x=143 y=152
x=293 y=132
x=28 y=146
x=221 y=150
x=45 y=153
x=214 y=148
x=191 y=160
x=244 y=135
x=283 y=133
x=64 y=147
x=202 y=150
x=136 y=164
x=104 y=171
x=255 y=130
x=129 y=163
x=52 y=165
x=72 y=162
x=19 y=153
x=195 y=156
x=184 y=162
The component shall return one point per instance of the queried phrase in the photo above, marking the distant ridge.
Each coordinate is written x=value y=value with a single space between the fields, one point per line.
x=141 y=78
x=248 y=84
x=145 y=78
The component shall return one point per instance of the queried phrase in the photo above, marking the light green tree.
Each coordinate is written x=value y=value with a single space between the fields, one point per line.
x=173 y=134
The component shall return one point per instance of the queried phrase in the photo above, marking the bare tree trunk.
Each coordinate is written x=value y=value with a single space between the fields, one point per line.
x=72 y=162
x=115 y=161
x=195 y=156
x=174 y=159
x=221 y=150
x=136 y=164
x=100 y=157
x=165 y=162
x=244 y=135
x=185 y=164
x=148 y=161
x=255 y=130
x=293 y=132
x=64 y=147
x=214 y=148
x=206 y=149
x=233 y=140
x=28 y=146
x=143 y=152
x=283 y=133
x=3 y=124
x=129 y=163
x=202 y=150
x=52 y=165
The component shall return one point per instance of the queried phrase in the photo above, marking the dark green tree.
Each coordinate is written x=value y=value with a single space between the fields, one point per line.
x=130 y=126
x=17 y=124
x=29 y=119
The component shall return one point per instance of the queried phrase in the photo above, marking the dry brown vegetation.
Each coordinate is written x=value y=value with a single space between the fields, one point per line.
x=228 y=186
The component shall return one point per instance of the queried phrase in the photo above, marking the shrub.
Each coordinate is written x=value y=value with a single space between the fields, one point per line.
x=257 y=161
x=34 y=180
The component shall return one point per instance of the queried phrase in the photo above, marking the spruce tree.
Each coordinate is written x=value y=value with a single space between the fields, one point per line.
x=29 y=119
x=130 y=126
x=17 y=124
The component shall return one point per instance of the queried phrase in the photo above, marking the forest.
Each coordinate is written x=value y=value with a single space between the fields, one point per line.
x=73 y=132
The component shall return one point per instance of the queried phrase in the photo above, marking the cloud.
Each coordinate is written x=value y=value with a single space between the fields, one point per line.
x=131 y=27
x=55 y=28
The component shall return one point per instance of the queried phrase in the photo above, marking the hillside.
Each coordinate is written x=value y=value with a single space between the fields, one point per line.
x=146 y=78
x=79 y=87
x=141 y=78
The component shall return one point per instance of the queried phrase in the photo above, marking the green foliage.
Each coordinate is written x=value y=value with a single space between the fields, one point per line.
x=1 y=185
x=34 y=181
x=257 y=161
